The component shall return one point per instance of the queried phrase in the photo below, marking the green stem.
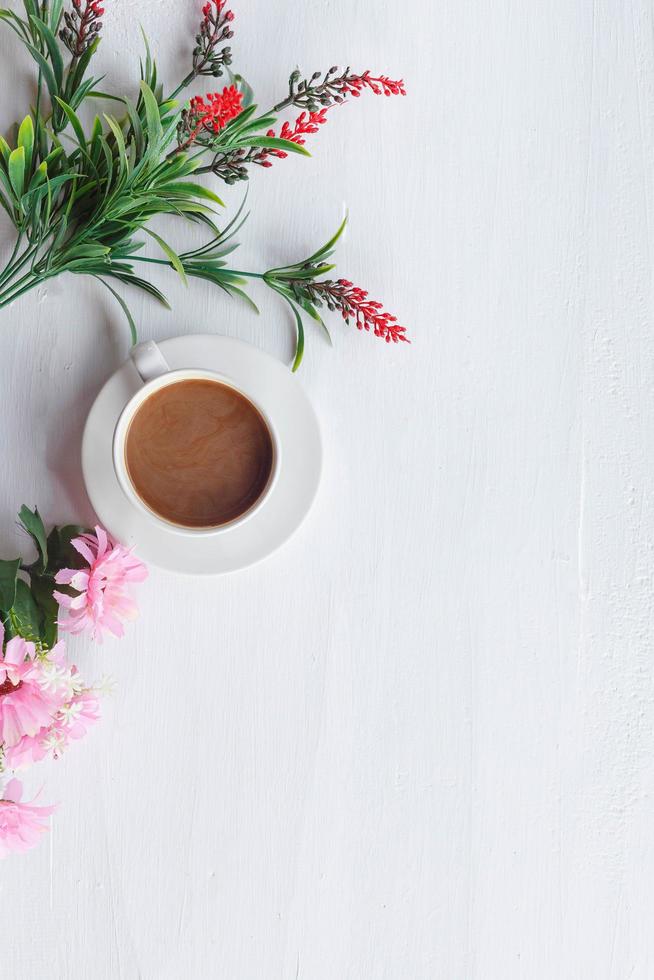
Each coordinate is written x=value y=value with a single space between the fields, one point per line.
x=9 y=273
x=231 y=272
x=6 y=272
x=14 y=292
x=183 y=84
x=248 y=275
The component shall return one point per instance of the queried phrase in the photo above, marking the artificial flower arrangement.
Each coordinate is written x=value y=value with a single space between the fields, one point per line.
x=80 y=581
x=79 y=198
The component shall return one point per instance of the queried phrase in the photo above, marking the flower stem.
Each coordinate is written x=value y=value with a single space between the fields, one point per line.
x=14 y=291
x=182 y=85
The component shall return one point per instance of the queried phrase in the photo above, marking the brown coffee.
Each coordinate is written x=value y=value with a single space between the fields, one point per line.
x=198 y=453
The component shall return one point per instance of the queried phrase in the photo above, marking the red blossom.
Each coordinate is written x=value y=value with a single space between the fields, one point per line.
x=214 y=28
x=353 y=304
x=334 y=86
x=381 y=85
x=304 y=125
x=214 y=110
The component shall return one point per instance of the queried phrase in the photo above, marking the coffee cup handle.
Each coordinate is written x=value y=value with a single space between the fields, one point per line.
x=148 y=360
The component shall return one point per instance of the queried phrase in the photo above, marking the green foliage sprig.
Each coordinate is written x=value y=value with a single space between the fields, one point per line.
x=81 y=200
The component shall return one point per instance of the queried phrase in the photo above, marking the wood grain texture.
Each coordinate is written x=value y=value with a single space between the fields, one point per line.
x=417 y=742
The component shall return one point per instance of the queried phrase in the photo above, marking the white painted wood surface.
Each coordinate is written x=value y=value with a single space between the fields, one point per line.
x=417 y=742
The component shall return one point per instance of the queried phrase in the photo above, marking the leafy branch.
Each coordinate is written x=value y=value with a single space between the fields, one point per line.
x=81 y=200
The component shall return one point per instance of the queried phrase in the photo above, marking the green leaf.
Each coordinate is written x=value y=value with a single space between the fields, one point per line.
x=42 y=589
x=24 y=616
x=26 y=140
x=152 y=119
x=125 y=309
x=137 y=128
x=8 y=578
x=328 y=247
x=5 y=149
x=16 y=167
x=16 y=24
x=174 y=258
x=187 y=188
x=299 y=342
x=31 y=521
x=147 y=287
x=53 y=155
x=48 y=74
x=52 y=46
x=106 y=95
x=276 y=143
x=40 y=174
x=243 y=87
x=120 y=143
x=61 y=553
x=76 y=76
x=56 y=8
x=74 y=121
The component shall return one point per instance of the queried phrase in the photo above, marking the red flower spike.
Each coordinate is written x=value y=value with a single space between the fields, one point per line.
x=212 y=112
x=208 y=59
x=353 y=304
x=305 y=124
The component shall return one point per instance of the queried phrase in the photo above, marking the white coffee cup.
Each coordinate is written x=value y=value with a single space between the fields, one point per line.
x=155 y=374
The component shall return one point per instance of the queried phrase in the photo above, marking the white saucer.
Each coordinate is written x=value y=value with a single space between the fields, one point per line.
x=279 y=395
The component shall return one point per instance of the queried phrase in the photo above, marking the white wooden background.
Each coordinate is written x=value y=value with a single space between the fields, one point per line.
x=417 y=742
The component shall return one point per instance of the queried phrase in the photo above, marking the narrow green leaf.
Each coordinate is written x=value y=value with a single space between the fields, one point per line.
x=147 y=287
x=75 y=77
x=243 y=87
x=52 y=156
x=8 y=576
x=52 y=46
x=187 y=188
x=174 y=258
x=120 y=143
x=31 y=521
x=48 y=74
x=152 y=119
x=74 y=121
x=61 y=552
x=125 y=308
x=16 y=24
x=105 y=95
x=26 y=140
x=40 y=174
x=56 y=8
x=328 y=247
x=16 y=167
x=42 y=589
x=24 y=617
x=299 y=341
x=5 y=149
x=137 y=128
x=274 y=142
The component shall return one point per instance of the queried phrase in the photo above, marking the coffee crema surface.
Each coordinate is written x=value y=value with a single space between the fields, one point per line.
x=198 y=453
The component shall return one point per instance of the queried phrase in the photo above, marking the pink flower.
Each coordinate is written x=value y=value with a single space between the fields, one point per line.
x=29 y=698
x=21 y=824
x=72 y=721
x=103 y=598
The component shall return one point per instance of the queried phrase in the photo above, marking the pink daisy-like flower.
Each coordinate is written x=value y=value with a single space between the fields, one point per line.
x=72 y=721
x=30 y=694
x=21 y=824
x=103 y=598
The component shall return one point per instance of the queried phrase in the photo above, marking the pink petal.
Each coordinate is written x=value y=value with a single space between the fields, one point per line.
x=80 y=545
x=14 y=790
